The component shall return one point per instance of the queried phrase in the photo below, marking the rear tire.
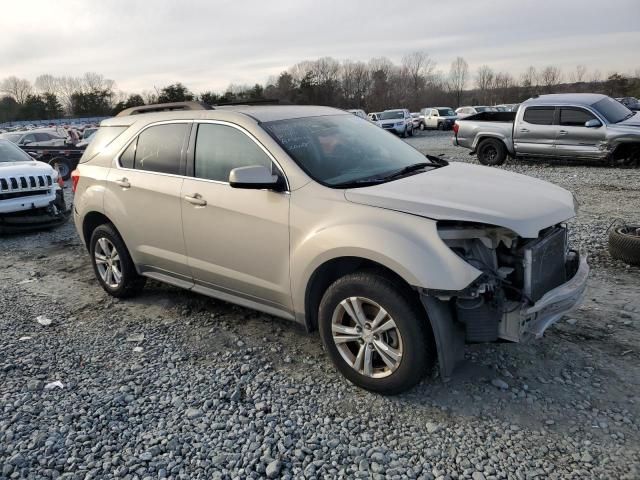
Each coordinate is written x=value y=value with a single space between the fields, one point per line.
x=492 y=152
x=112 y=263
x=408 y=341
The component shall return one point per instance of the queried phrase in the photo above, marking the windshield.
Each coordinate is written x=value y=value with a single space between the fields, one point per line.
x=339 y=149
x=10 y=153
x=391 y=114
x=12 y=137
x=446 y=112
x=612 y=110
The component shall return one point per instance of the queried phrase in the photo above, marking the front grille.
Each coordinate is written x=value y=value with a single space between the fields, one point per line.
x=387 y=126
x=545 y=264
x=25 y=185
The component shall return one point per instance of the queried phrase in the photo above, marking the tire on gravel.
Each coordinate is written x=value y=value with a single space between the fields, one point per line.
x=624 y=244
x=132 y=283
x=491 y=152
x=418 y=354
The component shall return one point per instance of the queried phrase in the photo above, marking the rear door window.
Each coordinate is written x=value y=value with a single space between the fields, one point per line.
x=575 y=117
x=158 y=148
x=539 y=115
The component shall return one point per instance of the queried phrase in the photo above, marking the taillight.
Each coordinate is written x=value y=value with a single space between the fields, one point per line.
x=75 y=176
x=455 y=128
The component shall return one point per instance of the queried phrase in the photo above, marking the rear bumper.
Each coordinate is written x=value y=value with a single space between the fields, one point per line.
x=556 y=303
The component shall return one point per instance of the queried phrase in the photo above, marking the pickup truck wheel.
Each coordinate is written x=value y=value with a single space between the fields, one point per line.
x=411 y=132
x=492 y=152
x=624 y=244
x=422 y=127
x=112 y=263
x=441 y=126
x=375 y=336
x=62 y=166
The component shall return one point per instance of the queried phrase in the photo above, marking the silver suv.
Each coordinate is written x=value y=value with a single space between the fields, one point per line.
x=314 y=215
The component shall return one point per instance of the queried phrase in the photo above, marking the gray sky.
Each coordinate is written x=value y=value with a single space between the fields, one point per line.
x=210 y=44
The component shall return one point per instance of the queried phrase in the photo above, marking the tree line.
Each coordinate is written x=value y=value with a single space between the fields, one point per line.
x=374 y=85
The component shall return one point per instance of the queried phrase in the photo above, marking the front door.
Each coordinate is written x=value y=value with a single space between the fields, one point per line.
x=237 y=239
x=576 y=140
x=535 y=133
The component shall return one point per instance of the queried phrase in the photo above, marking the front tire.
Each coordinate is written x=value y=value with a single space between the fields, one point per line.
x=376 y=336
x=492 y=152
x=112 y=263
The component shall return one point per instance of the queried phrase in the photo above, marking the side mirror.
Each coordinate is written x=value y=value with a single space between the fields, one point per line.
x=255 y=177
x=593 y=123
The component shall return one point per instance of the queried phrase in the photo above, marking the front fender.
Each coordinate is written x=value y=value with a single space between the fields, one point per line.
x=406 y=244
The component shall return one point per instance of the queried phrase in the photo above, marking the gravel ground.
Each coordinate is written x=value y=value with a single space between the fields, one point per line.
x=175 y=385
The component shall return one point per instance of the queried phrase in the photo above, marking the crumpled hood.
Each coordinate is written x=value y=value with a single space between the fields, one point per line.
x=13 y=169
x=471 y=193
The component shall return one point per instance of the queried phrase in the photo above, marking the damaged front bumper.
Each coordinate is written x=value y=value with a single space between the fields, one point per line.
x=556 y=303
x=53 y=215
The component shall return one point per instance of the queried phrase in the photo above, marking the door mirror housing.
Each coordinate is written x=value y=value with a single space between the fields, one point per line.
x=593 y=123
x=256 y=177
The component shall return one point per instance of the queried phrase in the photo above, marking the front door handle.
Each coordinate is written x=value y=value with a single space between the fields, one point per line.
x=123 y=182
x=562 y=132
x=524 y=130
x=196 y=199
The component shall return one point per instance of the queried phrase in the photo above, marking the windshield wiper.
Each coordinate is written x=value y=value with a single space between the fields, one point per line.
x=407 y=170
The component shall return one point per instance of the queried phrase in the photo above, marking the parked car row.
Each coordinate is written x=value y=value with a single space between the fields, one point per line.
x=52 y=135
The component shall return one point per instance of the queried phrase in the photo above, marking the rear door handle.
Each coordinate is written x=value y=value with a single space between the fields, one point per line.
x=562 y=132
x=123 y=182
x=524 y=130
x=196 y=199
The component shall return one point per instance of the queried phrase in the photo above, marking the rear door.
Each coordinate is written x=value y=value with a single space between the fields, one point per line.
x=576 y=140
x=237 y=239
x=432 y=122
x=535 y=133
x=142 y=198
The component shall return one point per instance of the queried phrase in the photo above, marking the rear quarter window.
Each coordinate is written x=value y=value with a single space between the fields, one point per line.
x=101 y=140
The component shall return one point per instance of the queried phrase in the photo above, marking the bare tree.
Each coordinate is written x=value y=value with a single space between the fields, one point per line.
x=503 y=84
x=458 y=76
x=484 y=81
x=355 y=82
x=93 y=82
x=596 y=76
x=47 y=84
x=550 y=77
x=18 y=88
x=579 y=74
x=529 y=78
x=418 y=67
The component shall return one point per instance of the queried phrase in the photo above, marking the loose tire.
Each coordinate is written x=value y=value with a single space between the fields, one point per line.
x=376 y=336
x=492 y=152
x=625 y=245
x=112 y=263
x=62 y=166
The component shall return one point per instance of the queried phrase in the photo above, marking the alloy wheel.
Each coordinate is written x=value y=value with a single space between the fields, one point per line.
x=108 y=262
x=366 y=336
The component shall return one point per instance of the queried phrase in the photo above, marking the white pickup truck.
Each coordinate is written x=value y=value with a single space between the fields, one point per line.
x=31 y=195
x=577 y=126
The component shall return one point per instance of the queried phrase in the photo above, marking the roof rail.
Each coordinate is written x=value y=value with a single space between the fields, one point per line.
x=264 y=101
x=164 y=107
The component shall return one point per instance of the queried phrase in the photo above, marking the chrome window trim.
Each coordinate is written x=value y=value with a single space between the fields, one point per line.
x=198 y=122
x=135 y=137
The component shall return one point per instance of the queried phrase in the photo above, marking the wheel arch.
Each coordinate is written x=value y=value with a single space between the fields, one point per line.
x=90 y=222
x=490 y=136
x=331 y=270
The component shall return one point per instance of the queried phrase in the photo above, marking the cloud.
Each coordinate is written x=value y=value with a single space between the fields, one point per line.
x=208 y=45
